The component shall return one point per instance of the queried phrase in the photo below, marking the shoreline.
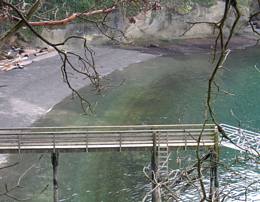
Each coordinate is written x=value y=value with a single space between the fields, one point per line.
x=189 y=46
x=29 y=93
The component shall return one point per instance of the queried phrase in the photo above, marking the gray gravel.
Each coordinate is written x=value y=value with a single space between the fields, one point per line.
x=27 y=94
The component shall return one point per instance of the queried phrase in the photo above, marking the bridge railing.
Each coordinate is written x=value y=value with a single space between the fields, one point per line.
x=243 y=139
x=89 y=138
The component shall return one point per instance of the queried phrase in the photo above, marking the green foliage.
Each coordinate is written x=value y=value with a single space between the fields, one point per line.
x=205 y=2
x=184 y=7
x=57 y=9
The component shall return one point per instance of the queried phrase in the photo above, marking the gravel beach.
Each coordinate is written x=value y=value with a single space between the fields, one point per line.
x=27 y=94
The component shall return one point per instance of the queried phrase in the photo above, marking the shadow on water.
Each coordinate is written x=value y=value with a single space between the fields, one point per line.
x=164 y=90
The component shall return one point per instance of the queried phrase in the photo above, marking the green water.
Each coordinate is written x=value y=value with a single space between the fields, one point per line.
x=164 y=90
x=158 y=91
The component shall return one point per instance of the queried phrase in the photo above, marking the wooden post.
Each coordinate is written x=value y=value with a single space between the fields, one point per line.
x=156 y=194
x=55 y=163
x=211 y=187
x=214 y=183
x=215 y=171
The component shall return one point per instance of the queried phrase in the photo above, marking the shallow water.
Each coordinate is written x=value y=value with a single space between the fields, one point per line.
x=164 y=90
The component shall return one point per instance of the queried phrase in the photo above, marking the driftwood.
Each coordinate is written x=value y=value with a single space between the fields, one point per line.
x=24 y=59
x=17 y=64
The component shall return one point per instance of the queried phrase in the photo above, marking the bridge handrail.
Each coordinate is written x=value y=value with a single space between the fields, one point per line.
x=101 y=137
x=68 y=132
x=244 y=140
x=113 y=126
x=235 y=129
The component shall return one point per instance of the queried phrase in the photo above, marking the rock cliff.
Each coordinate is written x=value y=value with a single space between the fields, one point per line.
x=169 y=23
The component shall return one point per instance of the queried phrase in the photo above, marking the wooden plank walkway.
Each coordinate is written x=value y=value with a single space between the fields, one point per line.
x=95 y=138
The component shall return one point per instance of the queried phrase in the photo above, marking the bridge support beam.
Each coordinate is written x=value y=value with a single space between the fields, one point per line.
x=55 y=164
x=156 y=194
x=214 y=183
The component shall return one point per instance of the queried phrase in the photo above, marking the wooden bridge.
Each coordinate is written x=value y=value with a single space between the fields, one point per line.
x=94 y=138
x=159 y=139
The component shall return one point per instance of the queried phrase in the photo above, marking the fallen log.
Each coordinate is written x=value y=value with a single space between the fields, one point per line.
x=29 y=56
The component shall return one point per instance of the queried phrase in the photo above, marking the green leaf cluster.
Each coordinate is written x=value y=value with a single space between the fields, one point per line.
x=57 y=9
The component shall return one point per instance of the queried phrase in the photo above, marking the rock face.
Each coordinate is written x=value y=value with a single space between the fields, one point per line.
x=254 y=8
x=59 y=34
x=167 y=24
x=171 y=22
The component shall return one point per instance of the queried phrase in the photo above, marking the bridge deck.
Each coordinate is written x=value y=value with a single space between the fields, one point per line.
x=93 y=138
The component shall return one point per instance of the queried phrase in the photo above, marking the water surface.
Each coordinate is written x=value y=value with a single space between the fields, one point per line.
x=164 y=90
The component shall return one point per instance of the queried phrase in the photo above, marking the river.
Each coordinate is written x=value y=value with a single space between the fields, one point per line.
x=162 y=90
